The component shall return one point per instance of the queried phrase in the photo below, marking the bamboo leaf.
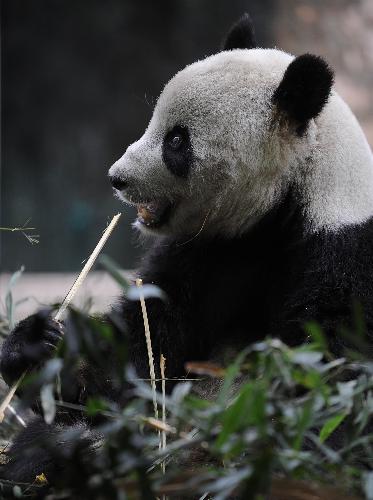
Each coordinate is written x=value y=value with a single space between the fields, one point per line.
x=330 y=426
x=113 y=269
x=48 y=403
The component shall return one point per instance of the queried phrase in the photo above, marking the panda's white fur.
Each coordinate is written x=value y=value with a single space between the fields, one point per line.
x=337 y=182
x=245 y=160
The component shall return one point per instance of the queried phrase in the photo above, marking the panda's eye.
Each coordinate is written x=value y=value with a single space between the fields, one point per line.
x=177 y=150
x=175 y=141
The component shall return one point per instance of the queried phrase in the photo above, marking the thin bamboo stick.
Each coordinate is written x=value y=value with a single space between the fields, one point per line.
x=149 y=347
x=162 y=365
x=88 y=265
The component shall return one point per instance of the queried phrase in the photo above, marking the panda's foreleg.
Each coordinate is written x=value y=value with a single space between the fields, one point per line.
x=34 y=339
x=33 y=342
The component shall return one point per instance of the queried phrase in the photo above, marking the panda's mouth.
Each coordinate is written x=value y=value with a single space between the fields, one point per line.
x=154 y=214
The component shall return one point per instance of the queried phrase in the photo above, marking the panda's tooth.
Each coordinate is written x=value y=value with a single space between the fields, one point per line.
x=146 y=213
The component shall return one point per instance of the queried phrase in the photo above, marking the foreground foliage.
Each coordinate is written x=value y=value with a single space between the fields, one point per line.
x=281 y=418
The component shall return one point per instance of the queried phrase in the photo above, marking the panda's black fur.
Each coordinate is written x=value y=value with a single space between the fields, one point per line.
x=270 y=281
x=178 y=157
x=241 y=35
x=310 y=76
x=222 y=291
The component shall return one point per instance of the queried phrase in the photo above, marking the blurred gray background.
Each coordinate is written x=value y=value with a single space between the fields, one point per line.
x=80 y=77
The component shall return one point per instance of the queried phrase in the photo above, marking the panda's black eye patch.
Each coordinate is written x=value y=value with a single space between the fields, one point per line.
x=175 y=141
x=177 y=151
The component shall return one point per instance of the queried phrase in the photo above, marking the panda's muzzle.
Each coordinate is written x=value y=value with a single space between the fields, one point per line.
x=151 y=214
x=154 y=214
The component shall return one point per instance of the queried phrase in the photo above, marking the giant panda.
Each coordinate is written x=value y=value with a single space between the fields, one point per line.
x=255 y=182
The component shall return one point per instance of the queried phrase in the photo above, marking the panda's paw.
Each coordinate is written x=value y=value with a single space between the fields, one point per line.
x=32 y=342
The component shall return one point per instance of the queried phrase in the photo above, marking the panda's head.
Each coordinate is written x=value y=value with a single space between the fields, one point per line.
x=232 y=132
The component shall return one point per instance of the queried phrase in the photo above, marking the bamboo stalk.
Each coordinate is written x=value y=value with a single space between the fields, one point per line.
x=148 y=346
x=12 y=229
x=88 y=265
x=18 y=417
x=162 y=365
x=162 y=444
x=8 y=398
x=65 y=304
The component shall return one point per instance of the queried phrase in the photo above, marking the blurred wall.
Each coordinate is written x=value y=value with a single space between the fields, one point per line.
x=79 y=82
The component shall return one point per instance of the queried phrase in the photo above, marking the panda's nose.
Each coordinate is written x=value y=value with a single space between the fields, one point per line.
x=117 y=182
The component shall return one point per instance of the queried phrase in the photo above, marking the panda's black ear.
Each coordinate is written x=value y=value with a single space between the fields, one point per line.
x=241 y=35
x=304 y=89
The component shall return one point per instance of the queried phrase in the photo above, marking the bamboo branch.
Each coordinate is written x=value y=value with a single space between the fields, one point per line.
x=8 y=398
x=83 y=274
x=162 y=365
x=12 y=229
x=149 y=347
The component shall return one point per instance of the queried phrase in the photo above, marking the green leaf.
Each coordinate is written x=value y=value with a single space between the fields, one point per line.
x=132 y=292
x=94 y=406
x=9 y=304
x=368 y=485
x=104 y=329
x=304 y=422
x=330 y=426
x=47 y=375
x=147 y=291
x=179 y=392
x=223 y=486
x=311 y=379
x=48 y=403
x=197 y=403
x=247 y=409
x=113 y=269
x=314 y=330
x=231 y=373
x=17 y=492
x=307 y=358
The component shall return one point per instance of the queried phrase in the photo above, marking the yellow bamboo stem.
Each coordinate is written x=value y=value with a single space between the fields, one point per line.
x=162 y=365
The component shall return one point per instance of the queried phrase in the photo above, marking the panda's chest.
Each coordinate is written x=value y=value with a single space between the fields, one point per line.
x=233 y=283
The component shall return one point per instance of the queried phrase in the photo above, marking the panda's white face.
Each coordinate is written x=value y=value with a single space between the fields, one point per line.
x=220 y=151
x=211 y=154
